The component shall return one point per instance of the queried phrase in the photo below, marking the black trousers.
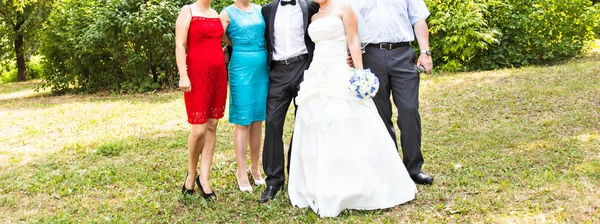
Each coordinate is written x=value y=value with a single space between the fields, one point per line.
x=284 y=83
x=399 y=77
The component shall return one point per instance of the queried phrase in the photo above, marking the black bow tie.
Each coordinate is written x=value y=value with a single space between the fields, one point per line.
x=292 y=2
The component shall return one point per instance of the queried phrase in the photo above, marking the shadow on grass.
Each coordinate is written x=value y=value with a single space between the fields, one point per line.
x=18 y=86
x=23 y=96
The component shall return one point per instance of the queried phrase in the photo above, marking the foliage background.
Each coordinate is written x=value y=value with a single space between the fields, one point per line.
x=21 y=24
x=128 y=45
x=538 y=31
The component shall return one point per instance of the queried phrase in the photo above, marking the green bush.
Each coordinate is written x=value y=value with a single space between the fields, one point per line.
x=128 y=45
x=595 y=13
x=537 y=31
x=8 y=69
x=35 y=68
x=458 y=32
x=99 y=45
x=115 y=45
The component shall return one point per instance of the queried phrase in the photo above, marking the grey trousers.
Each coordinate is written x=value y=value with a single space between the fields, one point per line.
x=284 y=83
x=399 y=77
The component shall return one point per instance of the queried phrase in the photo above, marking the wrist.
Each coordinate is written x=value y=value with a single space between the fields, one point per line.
x=426 y=52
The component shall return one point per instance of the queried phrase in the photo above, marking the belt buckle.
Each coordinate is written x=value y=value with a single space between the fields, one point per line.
x=286 y=61
x=383 y=48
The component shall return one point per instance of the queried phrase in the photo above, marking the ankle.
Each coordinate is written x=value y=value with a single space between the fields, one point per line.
x=242 y=179
x=255 y=172
x=240 y=171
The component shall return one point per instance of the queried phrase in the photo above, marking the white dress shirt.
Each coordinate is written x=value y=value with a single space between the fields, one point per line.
x=288 y=32
x=392 y=20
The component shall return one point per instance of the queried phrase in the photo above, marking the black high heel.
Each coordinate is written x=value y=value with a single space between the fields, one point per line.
x=208 y=197
x=184 y=190
x=199 y=185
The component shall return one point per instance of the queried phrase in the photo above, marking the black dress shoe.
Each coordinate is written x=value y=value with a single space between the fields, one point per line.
x=269 y=193
x=421 y=178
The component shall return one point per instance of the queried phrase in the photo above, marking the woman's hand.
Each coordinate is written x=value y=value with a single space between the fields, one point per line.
x=184 y=84
x=226 y=53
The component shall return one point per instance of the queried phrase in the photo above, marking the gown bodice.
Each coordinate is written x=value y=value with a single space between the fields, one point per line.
x=328 y=73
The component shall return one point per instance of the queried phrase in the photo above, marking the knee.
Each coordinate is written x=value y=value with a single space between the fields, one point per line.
x=270 y=122
x=256 y=124
x=242 y=127
x=211 y=125
x=408 y=109
x=197 y=132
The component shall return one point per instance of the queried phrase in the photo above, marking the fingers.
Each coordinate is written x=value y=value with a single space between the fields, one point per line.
x=428 y=68
x=185 y=88
x=350 y=62
x=426 y=62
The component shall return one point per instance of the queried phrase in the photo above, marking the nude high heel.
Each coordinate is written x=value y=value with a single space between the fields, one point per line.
x=243 y=189
x=257 y=181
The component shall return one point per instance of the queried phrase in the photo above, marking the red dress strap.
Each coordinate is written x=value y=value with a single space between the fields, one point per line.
x=190 y=8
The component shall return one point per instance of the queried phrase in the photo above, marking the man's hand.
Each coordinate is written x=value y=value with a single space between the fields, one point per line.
x=426 y=61
x=349 y=60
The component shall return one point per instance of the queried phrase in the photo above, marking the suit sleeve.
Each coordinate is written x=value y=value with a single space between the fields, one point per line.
x=313 y=8
x=266 y=16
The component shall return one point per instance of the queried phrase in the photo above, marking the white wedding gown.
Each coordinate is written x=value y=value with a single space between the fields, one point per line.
x=343 y=156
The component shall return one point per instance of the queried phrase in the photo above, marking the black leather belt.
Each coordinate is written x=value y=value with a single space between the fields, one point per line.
x=389 y=46
x=291 y=60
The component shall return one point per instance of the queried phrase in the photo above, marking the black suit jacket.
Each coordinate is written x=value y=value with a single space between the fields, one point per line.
x=309 y=8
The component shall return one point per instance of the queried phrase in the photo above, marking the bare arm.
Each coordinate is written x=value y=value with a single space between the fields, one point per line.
x=422 y=34
x=351 y=27
x=224 y=16
x=182 y=26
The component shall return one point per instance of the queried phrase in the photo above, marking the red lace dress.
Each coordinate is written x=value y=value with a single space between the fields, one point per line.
x=206 y=70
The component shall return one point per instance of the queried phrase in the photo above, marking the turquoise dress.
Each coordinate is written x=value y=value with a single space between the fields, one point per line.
x=248 y=71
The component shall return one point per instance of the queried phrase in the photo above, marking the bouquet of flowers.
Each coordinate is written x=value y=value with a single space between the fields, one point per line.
x=364 y=84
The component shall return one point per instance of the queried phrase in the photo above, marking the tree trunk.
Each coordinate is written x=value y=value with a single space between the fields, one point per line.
x=22 y=71
x=22 y=75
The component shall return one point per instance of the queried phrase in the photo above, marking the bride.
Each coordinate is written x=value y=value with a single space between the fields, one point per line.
x=343 y=155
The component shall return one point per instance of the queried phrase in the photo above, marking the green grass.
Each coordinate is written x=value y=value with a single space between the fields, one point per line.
x=514 y=145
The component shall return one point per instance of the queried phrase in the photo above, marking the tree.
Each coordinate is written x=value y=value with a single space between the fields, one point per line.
x=24 y=19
